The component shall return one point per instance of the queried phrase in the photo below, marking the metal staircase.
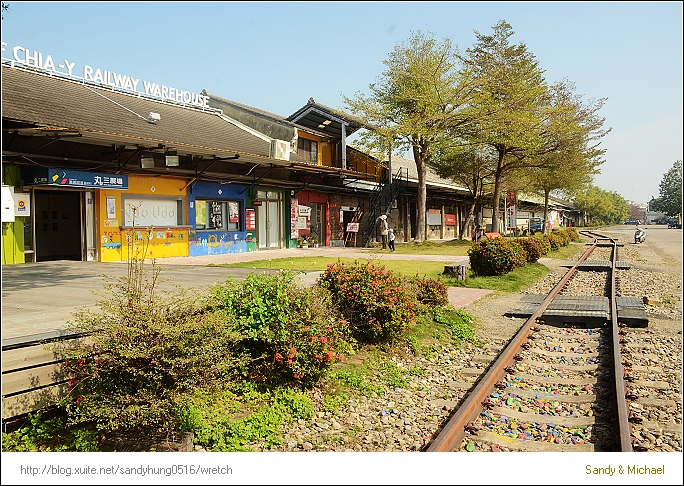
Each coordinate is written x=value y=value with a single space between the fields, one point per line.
x=381 y=201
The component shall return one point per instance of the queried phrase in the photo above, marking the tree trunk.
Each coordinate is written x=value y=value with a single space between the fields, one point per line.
x=546 y=210
x=497 y=192
x=421 y=167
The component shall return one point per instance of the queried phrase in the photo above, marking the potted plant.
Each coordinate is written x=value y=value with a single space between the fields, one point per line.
x=302 y=242
x=313 y=241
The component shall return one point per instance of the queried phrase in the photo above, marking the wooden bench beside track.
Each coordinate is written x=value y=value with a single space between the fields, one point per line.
x=32 y=376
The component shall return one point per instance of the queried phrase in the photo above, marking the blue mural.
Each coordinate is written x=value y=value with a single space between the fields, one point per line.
x=213 y=242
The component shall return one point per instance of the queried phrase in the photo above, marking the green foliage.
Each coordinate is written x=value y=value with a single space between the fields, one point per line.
x=356 y=380
x=225 y=430
x=392 y=375
x=533 y=248
x=146 y=352
x=602 y=207
x=555 y=240
x=431 y=292
x=48 y=435
x=542 y=243
x=377 y=304
x=458 y=322
x=670 y=200
x=496 y=256
x=291 y=333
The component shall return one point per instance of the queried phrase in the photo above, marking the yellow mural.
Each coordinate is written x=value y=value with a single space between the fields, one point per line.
x=117 y=242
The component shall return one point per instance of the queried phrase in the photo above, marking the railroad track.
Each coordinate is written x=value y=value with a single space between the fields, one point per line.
x=576 y=376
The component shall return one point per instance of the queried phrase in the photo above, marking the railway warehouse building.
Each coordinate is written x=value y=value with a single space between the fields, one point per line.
x=86 y=161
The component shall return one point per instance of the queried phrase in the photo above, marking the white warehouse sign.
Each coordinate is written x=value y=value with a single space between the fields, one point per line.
x=35 y=59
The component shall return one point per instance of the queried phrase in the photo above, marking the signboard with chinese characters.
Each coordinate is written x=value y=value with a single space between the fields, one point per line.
x=250 y=219
x=449 y=219
x=90 y=180
x=353 y=227
x=294 y=218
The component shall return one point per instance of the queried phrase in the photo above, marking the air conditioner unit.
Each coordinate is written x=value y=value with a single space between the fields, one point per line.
x=280 y=149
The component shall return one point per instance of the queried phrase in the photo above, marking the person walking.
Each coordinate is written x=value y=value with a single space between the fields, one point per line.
x=384 y=230
x=390 y=238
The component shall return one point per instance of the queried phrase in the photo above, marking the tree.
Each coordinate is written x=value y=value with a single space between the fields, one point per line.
x=412 y=105
x=472 y=168
x=571 y=138
x=510 y=95
x=601 y=206
x=670 y=200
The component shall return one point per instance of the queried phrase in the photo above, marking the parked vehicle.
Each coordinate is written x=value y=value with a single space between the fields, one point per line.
x=632 y=221
x=675 y=222
x=639 y=235
x=534 y=225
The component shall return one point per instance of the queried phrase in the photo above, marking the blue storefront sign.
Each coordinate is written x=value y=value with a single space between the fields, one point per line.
x=90 y=180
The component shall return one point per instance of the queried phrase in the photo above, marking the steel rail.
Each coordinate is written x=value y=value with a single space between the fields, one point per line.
x=624 y=430
x=453 y=433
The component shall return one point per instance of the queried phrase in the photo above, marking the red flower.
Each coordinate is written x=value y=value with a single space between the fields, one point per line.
x=278 y=357
x=324 y=339
x=79 y=400
x=340 y=358
x=72 y=382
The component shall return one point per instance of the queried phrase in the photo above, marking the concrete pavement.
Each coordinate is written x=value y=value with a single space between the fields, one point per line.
x=39 y=298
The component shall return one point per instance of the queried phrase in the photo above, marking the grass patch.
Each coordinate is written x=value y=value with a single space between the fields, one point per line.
x=515 y=281
x=452 y=247
x=407 y=268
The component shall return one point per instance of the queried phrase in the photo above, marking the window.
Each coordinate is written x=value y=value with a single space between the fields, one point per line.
x=144 y=211
x=217 y=215
x=308 y=148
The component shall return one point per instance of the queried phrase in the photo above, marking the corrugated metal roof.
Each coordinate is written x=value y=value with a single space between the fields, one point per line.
x=57 y=102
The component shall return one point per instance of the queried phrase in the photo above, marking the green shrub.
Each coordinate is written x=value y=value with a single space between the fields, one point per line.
x=234 y=430
x=542 y=242
x=497 y=256
x=458 y=322
x=431 y=292
x=555 y=240
x=379 y=306
x=291 y=333
x=145 y=353
x=532 y=247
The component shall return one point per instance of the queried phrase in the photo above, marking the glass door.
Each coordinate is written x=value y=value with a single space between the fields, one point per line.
x=269 y=219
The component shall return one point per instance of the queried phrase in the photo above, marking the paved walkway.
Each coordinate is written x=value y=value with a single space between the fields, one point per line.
x=39 y=298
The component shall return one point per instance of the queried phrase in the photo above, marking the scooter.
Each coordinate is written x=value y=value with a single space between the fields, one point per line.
x=639 y=235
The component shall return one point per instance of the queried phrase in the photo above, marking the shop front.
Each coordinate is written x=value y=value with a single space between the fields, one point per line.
x=270 y=206
x=151 y=213
x=219 y=220
x=312 y=216
x=62 y=220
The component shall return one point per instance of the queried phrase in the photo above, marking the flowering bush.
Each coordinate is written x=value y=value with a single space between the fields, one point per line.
x=379 y=306
x=143 y=357
x=292 y=333
x=496 y=256
x=555 y=240
x=430 y=292
x=573 y=234
x=532 y=247
x=542 y=242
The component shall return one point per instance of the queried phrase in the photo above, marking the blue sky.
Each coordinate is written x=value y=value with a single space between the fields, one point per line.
x=276 y=55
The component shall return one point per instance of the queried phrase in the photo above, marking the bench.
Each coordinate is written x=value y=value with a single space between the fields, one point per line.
x=32 y=376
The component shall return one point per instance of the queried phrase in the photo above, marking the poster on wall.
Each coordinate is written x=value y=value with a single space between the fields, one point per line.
x=234 y=212
x=111 y=207
x=434 y=217
x=250 y=219
x=215 y=215
x=294 y=218
x=449 y=219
